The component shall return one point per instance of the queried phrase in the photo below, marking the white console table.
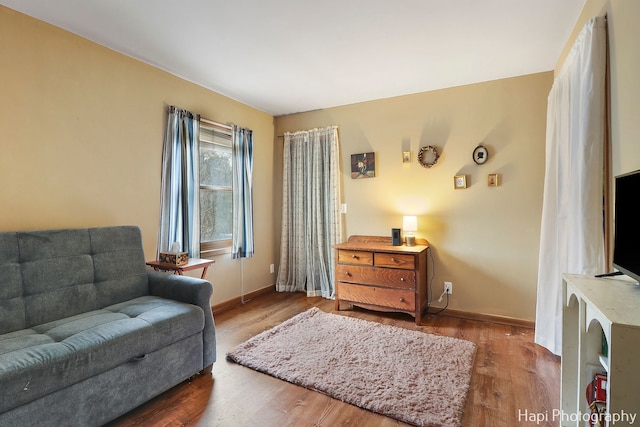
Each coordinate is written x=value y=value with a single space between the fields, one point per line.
x=592 y=306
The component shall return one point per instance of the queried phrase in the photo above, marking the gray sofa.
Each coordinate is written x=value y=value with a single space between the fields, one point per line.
x=87 y=332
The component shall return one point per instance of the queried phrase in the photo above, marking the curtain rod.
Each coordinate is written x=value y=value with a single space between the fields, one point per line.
x=282 y=136
x=212 y=123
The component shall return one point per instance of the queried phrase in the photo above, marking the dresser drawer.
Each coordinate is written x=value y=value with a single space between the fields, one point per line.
x=384 y=297
x=385 y=277
x=381 y=259
x=355 y=257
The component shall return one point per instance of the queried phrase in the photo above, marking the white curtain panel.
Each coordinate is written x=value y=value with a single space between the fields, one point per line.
x=311 y=220
x=572 y=236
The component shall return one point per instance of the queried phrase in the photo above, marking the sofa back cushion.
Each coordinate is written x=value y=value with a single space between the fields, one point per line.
x=52 y=274
x=11 y=302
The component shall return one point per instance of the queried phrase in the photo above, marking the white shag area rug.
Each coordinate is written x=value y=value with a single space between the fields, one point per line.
x=418 y=378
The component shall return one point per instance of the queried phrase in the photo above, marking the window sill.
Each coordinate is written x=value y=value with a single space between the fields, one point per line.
x=211 y=253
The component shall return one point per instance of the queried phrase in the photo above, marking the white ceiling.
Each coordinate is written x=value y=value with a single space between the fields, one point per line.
x=288 y=56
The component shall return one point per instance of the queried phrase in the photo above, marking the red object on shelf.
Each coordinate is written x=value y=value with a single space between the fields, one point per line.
x=600 y=388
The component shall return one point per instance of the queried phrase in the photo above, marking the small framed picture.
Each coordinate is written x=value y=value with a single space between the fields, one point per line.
x=459 y=182
x=406 y=157
x=363 y=165
x=493 y=180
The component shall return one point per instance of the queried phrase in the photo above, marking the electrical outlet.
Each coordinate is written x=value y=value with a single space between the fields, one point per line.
x=448 y=288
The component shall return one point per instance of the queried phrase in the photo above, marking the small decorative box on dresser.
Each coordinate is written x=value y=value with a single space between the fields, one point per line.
x=372 y=273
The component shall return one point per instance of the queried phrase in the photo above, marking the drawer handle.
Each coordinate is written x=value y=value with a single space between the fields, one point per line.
x=346 y=273
x=401 y=299
x=355 y=256
x=402 y=279
x=393 y=259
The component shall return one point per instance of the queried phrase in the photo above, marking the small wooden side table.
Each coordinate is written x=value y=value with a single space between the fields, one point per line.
x=193 y=264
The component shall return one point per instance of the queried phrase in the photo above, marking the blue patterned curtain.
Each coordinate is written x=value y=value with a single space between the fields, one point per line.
x=180 y=198
x=242 y=146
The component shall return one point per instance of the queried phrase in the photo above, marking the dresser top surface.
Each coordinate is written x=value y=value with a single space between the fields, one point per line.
x=380 y=244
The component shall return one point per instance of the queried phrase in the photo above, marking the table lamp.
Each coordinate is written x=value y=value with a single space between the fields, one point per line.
x=409 y=225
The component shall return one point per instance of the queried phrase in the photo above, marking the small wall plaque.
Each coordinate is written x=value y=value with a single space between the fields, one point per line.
x=406 y=157
x=460 y=182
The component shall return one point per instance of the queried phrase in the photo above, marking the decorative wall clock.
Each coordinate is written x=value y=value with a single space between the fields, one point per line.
x=480 y=155
x=428 y=156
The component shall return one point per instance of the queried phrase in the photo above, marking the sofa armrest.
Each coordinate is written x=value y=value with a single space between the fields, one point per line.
x=189 y=290
x=180 y=288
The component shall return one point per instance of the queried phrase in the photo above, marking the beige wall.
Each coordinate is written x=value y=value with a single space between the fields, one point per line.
x=485 y=240
x=624 y=60
x=624 y=34
x=81 y=141
x=82 y=130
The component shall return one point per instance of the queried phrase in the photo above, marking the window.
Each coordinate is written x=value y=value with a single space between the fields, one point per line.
x=216 y=209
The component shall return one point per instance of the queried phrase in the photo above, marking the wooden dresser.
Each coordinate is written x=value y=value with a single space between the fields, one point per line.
x=372 y=273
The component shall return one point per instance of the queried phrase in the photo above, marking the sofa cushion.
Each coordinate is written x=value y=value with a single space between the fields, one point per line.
x=54 y=355
x=12 y=316
x=53 y=274
x=57 y=274
x=120 y=272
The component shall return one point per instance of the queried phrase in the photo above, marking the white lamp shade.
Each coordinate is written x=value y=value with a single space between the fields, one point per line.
x=410 y=223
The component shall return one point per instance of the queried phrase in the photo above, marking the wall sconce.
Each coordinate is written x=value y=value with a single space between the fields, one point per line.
x=409 y=225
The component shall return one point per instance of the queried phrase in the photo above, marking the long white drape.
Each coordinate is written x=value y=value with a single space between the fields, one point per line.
x=572 y=234
x=311 y=221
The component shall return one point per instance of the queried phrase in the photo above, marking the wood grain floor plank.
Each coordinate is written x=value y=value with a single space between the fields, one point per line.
x=511 y=375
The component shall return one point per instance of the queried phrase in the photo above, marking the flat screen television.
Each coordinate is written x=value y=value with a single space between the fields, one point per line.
x=626 y=222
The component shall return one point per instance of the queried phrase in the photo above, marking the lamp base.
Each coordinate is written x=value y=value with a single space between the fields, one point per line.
x=411 y=240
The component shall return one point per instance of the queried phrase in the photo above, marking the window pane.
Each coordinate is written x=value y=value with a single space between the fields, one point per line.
x=215 y=215
x=215 y=165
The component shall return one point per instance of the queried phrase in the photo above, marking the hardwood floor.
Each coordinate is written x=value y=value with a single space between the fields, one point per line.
x=513 y=378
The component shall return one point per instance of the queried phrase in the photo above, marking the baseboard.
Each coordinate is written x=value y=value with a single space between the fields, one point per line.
x=226 y=305
x=482 y=317
x=501 y=320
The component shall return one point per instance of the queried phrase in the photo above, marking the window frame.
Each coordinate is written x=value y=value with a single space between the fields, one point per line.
x=218 y=247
